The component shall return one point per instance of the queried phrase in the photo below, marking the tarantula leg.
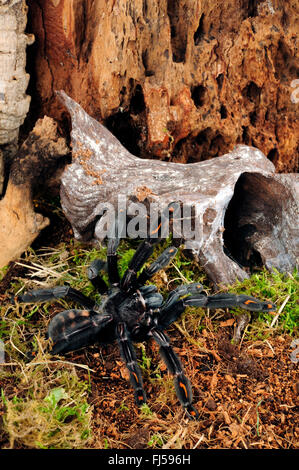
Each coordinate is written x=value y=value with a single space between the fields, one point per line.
x=182 y=384
x=173 y=307
x=148 y=290
x=95 y=278
x=147 y=298
x=113 y=274
x=153 y=301
x=162 y=261
x=232 y=300
x=113 y=242
x=144 y=251
x=141 y=255
x=129 y=357
x=60 y=292
x=74 y=329
x=184 y=289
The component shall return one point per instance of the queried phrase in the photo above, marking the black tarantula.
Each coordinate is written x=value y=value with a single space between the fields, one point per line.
x=131 y=311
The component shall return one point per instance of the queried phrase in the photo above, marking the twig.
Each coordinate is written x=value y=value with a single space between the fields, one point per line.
x=243 y=335
x=40 y=269
x=245 y=416
x=199 y=441
x=180 y=433
x=279 y=311
x=193 y=341
x=83 y=366
x=12 y=343
x=181 y=275
x=270 y=346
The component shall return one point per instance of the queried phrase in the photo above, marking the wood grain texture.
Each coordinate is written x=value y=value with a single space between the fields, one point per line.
x=237 y=193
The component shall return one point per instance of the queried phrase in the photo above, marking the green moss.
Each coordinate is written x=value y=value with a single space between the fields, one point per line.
x=280 y=288
x=50 y=409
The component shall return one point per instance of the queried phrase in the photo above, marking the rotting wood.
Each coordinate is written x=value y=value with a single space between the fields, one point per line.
x=181 y=80
x=19 y=223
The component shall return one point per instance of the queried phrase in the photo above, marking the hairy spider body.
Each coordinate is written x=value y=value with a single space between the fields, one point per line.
x=130 y=312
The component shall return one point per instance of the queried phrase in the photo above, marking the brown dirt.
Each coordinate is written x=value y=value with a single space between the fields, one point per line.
x=247 y=399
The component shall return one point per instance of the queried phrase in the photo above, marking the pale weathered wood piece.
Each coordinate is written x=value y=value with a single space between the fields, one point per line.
x=103 y=169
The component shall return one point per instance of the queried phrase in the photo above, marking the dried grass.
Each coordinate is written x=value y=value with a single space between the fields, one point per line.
x=47 y=407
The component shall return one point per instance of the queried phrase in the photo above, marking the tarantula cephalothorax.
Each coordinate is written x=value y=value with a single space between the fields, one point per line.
x=132 y=312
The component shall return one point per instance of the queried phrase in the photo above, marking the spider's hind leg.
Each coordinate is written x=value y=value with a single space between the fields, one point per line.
x=74 y=329
x=182 y=384
x=129 y=357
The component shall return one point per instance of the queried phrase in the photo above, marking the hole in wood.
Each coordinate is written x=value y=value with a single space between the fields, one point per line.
x=123 y=127
x=273 y=155
x=178 y=27
x=198 y=94
x=223 y=112
x=199 y=33
x=137 y=104
x=251 y=217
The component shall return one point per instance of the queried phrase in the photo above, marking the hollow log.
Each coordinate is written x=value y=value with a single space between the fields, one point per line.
x=245 y=213
x=37 y=157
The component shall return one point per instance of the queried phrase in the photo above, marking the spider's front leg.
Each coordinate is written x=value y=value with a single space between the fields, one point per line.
x=232 y=300
x=162 y=261
x=114 y=236
x=95 y=278
x=144 y=251
x=129 y=357
x=182 y=384
x=213 y=301
x=243 y=301
x=174 y=306
x=246 y=302
x=113 y=274
x=60 y=292
x=141 y=255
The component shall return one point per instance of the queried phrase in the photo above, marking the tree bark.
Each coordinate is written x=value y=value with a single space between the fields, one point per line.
x=14 y=103
x=180 y=80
